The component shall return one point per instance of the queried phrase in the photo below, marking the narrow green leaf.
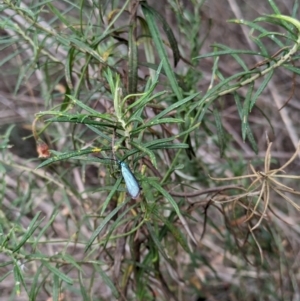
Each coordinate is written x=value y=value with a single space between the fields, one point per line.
x=295 y=9
x=89 y=109
x=261 y=88
x=171 y=146
x=4 y=142
x=103 y=224
x=110 y=195
x=68 y=155
x=145 y=150
x=246 y=111
x=132 y=60
x=168 y=31
x=66 y=101
x=61 y=17
x=42 y=231
x=252 y=140
x=174 y=106
x=19 y=277
x=157 y=242
x=229 y=51
x=180 y=238
x=85 y=295
x=274 y=7
x=166 y=195
x=293 y=69
x=100 y=134
x=70 y=260
x=118 y=222
x=37 y=279
x=220 y=132
x=82 y=46
x=108 y=282
x=261 y=46
x=84 y=119
x=17 y=281
x=31 y=228
x=150 y=18
x=249 y=132
x=148 y=46
x=145 y=98
x=69 y=68
x=255 y=26
x=160 y=121
x=5 y=275
x=57 y=272
x=55 y=288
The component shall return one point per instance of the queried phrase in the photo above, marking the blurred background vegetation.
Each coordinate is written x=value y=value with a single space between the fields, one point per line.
x=199 y=98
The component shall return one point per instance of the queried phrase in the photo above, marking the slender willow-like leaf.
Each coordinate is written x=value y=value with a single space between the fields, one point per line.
x=55 y=288
x=103 y=224
x=168 y=31
x=249 y=132
x=31 y=228
x=132 y=61
x=110 y=195
x=107 y=281
x=57 y=272
x=246 y=111
x=224 y=52
x=68 y=155
x=19 y=277
x=157 y=242
x=261 y=89
x=179 y=237
x=220 y=132
x=150 y=18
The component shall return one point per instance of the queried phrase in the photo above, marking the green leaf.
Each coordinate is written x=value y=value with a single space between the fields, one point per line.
x=70 y=260
x=57 y=272
x=4 y=142
x=160 y=121
x=110 y=195
x=43 y=230
x=84 y=119
x=227 y=51
x=103 y=224
x=146 y=97
x=37 y=279
x=85 y=295
x=19 y=279
x=180 y=238
x=68 y=155
x=31 y=228
x=148 y=46
x=145 y=150
x=246 y=111
x=174 y=106
x=168 y=31
x=132 y=60
x=166 y=195
x=108 y=281
x=249 y=132
x=55 y=288
x=157 y=242
x=69 y=68
x=253 y=25
x=89 y=109
x=153 y=28
x=61 y=17
x=261 y=88
x=220 y=132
